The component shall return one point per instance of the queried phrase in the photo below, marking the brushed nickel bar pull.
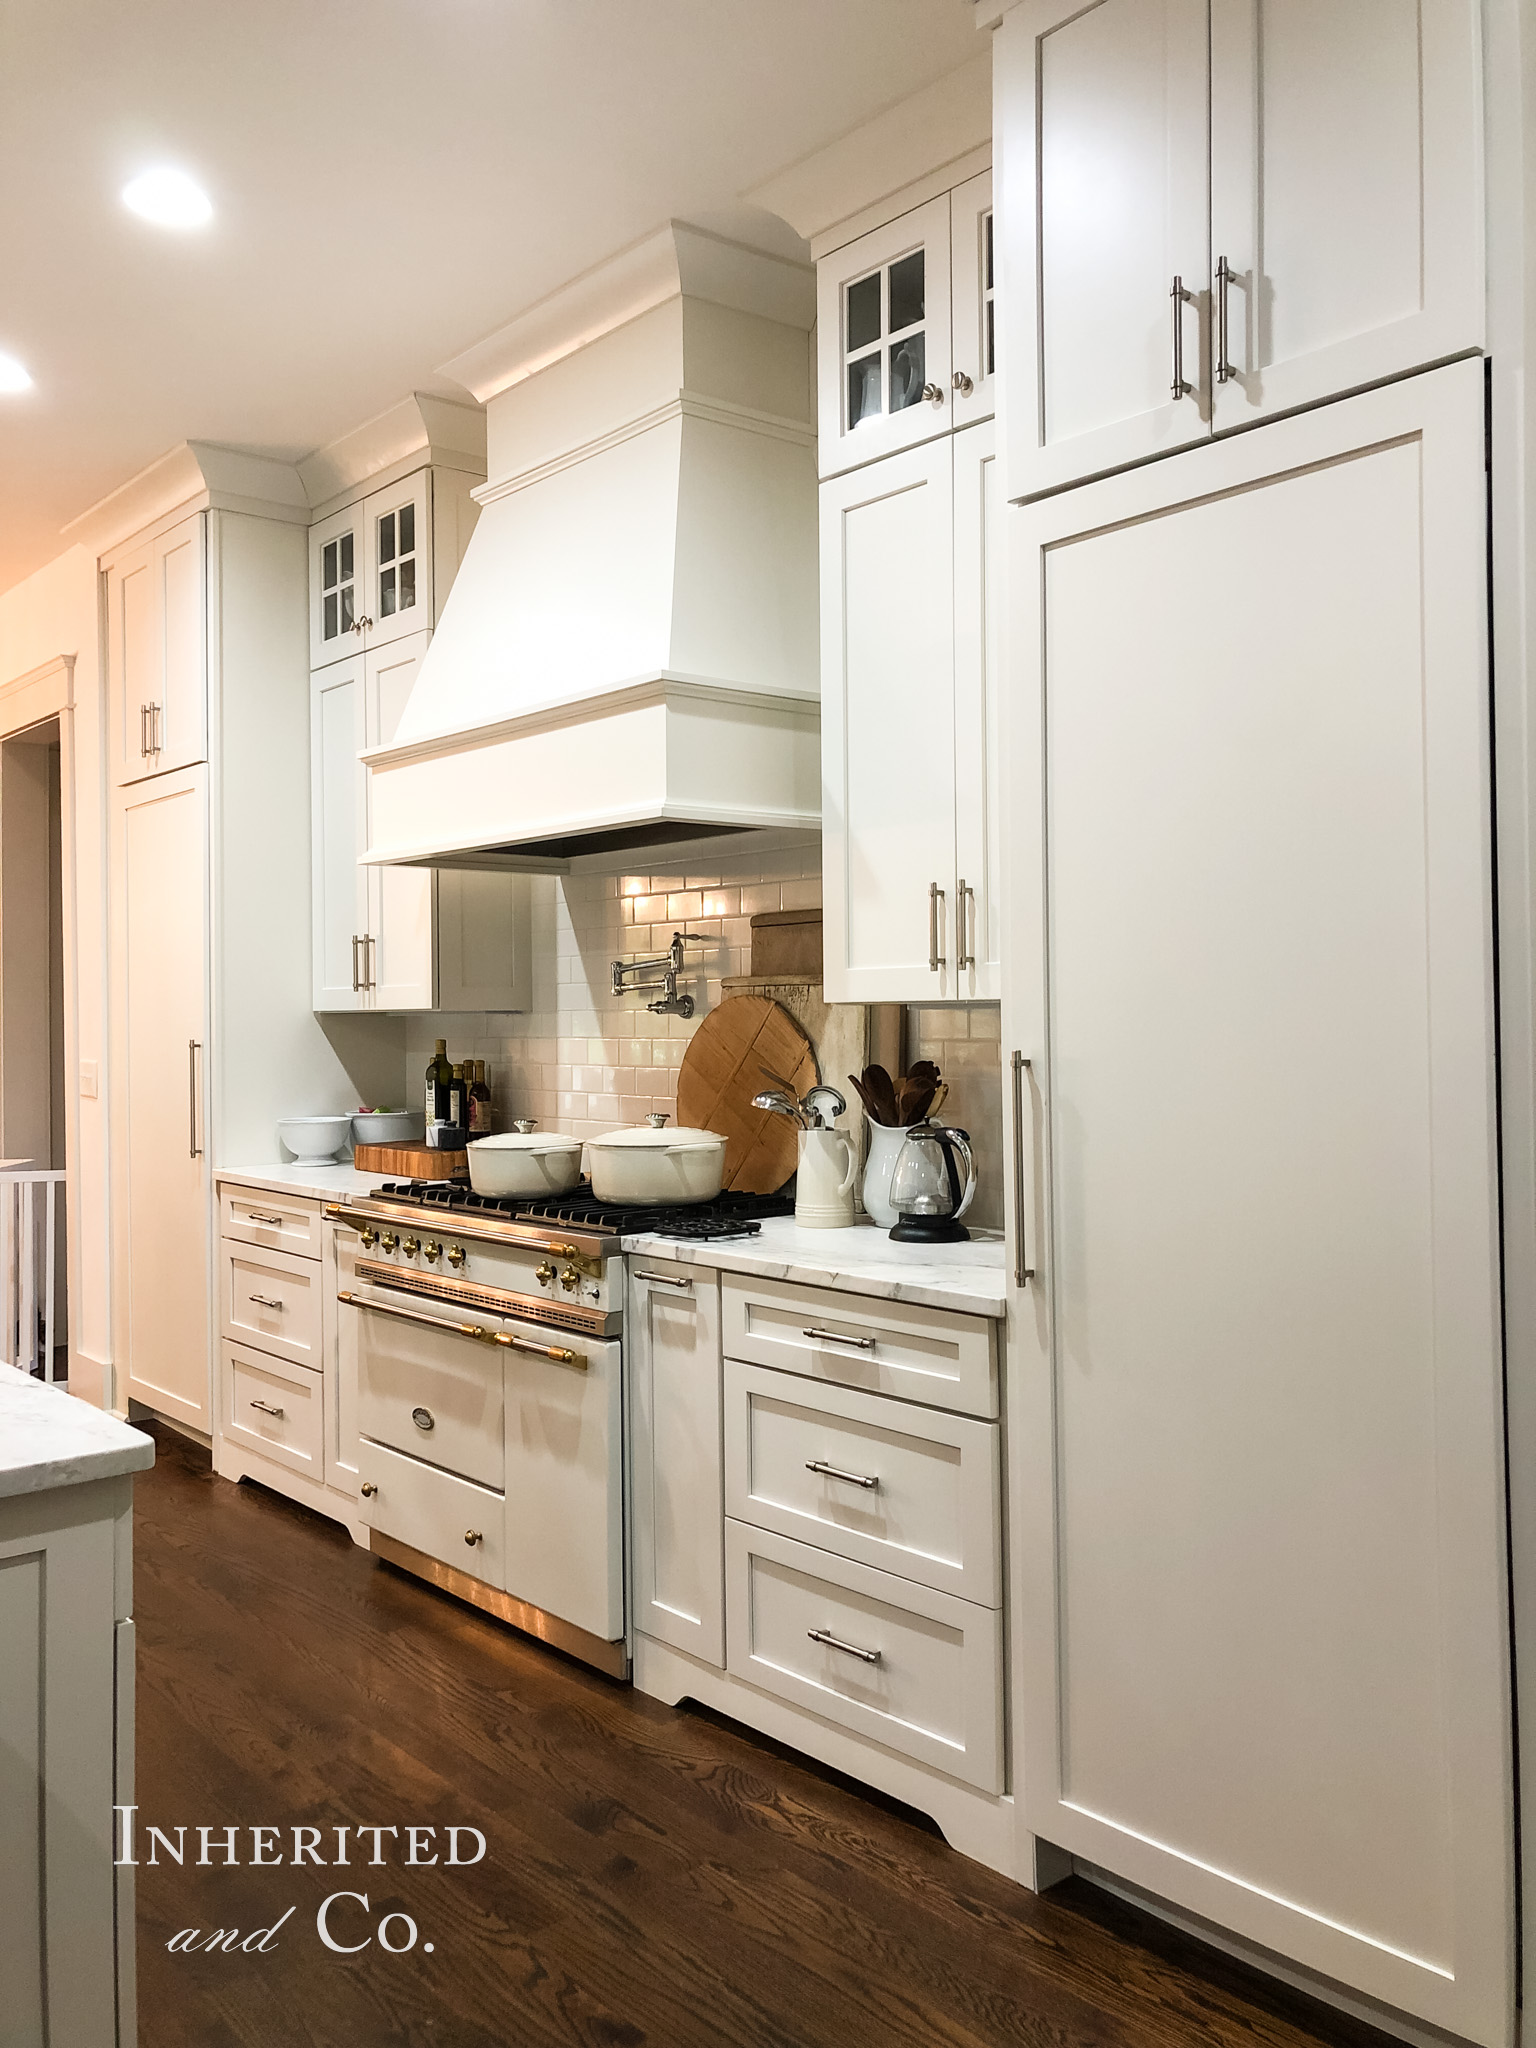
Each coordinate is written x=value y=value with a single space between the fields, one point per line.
x=265 y=1300
x=157 y=728
x=1224 y=369
x=194 y=1150
x=143 y=732
x=935 y=898
x=356 y=983
x=837 y=1337
x=1179 y=298
x=662 y=1279
x=825 y=1635
x=1023 y=1271
x=267 y=1409
x=836 y=1472
x=254 y=1217
x=965 y=924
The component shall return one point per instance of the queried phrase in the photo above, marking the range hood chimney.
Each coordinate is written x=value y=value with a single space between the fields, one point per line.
x=629 y=651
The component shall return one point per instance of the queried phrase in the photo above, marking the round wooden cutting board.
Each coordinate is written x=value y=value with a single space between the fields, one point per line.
x=722 y=1071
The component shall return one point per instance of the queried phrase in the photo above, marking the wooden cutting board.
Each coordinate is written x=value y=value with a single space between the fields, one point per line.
x=411 y=1162
x=722 y=1071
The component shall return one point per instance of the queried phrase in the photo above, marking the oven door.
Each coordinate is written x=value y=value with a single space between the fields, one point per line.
x=531 y=1412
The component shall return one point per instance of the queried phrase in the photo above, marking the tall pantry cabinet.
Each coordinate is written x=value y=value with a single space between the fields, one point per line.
x=1255 y=1322
x=212 y=1038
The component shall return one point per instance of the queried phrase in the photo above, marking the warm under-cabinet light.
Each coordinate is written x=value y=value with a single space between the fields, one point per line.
x=13 y=375
x=169 y=198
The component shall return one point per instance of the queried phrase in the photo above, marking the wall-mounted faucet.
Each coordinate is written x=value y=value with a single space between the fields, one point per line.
x=669 y=966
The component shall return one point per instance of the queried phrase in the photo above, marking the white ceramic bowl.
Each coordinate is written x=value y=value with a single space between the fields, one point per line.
x=519 y=1163
x=314 y=1140
x=645 y=1165
x=388 y=1127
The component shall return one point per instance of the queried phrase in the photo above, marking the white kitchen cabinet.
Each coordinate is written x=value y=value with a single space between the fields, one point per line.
x=910 y=620
x=397 y=938
x=380 y=569
x=676 y=1500
x=1317 y=165
x=66 y=1734
x=160 y=969
x=1259 y=1432
x=157 y=667
x=906 y=329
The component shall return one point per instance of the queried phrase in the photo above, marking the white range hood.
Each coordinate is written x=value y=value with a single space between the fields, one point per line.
x=629 y=651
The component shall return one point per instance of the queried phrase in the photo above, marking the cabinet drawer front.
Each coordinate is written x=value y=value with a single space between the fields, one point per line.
x=279 y=1223
x=930 y=1514
x=914 y=1669
x=433 y=1511
x=271 y=1300
x=433 y=1397
x=272 y=1407
x=884 y=1347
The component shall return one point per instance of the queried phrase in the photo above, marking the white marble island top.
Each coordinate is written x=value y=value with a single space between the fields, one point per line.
x=48 y=1438
x=969 y=1278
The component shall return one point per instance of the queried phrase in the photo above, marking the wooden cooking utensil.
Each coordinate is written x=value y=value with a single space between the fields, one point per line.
x=722 y=1071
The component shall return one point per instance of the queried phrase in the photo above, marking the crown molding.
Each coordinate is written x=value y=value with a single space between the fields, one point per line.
x=196 y=475
x=676 y=261
x=442 y=431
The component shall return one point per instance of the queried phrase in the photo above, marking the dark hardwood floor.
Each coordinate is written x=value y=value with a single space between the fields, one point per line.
x=654 y=1879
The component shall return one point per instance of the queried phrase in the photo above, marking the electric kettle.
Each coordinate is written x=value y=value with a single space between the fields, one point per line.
x=932 y=1185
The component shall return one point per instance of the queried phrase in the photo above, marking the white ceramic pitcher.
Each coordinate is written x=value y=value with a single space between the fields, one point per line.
x=824 y=1180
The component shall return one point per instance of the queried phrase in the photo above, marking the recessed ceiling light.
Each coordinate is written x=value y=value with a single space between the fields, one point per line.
x=13 y=376
x=169 y=198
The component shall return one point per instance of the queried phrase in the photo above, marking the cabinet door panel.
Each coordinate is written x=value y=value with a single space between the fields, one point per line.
x=180 y=735
x=484 y=956
x=338 y=584
x=402 y=968
x=973 y=274
x=338 y=796
x=883 y=337
x=133 y=661
x=1265 y=1435
x=888 y=797
x=160 y=1205
x=397 y=546
x=675 y=1450
x=1103 y=178
x=1344 y=193
x=978 y=684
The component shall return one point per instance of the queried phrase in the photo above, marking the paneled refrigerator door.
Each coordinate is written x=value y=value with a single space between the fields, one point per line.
x=1346 y=207
x=1102 y=179
x=883 y=339
x=888 y=767
x=401 y=971
x=979 y=570
x=338 y=794
x=159 y=1095
x=1259 y=1431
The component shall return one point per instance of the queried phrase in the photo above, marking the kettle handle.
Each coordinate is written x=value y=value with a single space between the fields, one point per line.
x=951 y=1142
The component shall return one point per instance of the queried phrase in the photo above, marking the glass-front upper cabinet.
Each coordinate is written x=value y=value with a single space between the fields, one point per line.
x=370 y=571
x=883 y=325
x=973 y=301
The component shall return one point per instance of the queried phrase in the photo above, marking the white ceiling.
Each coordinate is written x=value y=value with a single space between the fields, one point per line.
x=392 y=180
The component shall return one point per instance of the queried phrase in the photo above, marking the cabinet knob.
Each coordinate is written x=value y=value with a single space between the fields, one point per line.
x=934 y=393
x=472 y=1537
x=367 y=1489
x=962 y=383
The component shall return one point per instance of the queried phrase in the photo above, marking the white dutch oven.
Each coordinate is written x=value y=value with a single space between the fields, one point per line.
x=644 y=1164
x=524 y=1163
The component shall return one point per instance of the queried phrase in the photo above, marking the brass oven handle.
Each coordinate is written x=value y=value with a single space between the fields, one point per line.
x=504 y=1338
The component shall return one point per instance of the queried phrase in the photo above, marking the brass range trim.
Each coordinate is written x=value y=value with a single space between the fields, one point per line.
x=610 y=1658
x=496 y=1301
x=586 y=1250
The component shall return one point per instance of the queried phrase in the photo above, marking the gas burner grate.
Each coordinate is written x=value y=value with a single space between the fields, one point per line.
x=728 y=1215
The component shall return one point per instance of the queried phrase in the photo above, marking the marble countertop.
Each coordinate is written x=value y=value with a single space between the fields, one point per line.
x=48 y=1438
x=329 y=1183
x=970 y=1278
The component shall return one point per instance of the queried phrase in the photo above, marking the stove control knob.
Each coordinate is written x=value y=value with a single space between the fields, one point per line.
x=432 y=1251
x=544 y=1274
x=456 y=1255
x=390 y=1241
x=411 y=1247
x=367 y=1238
x=570 y=1278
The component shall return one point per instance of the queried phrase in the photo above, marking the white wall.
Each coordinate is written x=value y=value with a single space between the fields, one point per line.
x=53 y=613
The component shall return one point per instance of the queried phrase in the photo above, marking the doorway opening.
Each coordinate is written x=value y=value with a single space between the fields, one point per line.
x=34 y=1333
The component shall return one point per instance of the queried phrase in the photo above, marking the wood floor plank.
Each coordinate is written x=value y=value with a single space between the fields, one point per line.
x=654 y=1878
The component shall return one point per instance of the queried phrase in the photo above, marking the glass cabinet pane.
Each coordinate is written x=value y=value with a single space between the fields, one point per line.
x=387 y=537
x=906 y=292
x=396 y=530
x=408 y=529
x=336 y=587
x=907 y=377
x=863 y=313
x=863 y=389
